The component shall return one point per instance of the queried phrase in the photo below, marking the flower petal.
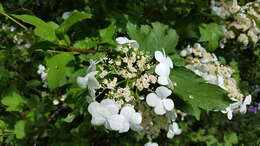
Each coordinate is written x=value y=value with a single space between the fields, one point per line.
x=93 y=83
x=168 y=104
x=151 y=144
x=135 y=127
x=248 y=100
x=136 y=118
x=122 y=40
x=127 y=112
x=159 y=56
x=230 y=115
x=82 y=82
x=125 y=128
x=98 y=121
x=170 y=134
x=243 y=109
x=162 y=69
x=92 y=107
x=176 y=128
x=118 y=123
x=152 y=99
x=159 y=109
x=111 y=107
x=163 y=92
x=169 y=62
x=221 y=82
x=163 y=80
x=107 y=102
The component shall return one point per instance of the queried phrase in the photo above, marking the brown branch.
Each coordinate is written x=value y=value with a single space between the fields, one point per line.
x=88 y=51
x=16 y=10
x=7 y=134
x=72 y=49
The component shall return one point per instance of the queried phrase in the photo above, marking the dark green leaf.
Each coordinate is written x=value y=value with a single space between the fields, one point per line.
x=191 y=110
x=195 y=91
x=211 y=33
x=157 y=37
x=230 y=139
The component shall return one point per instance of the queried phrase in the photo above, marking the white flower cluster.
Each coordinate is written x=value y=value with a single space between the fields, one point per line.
x=42 y=71
x=208 y=67
x=18 y=38
x=243 y=26
x=144 y=81
x=120 y=83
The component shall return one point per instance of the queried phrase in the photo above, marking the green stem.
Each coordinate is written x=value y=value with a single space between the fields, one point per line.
x=15 y=21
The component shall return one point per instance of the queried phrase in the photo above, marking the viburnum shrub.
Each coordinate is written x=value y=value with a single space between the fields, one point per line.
x=69 y=83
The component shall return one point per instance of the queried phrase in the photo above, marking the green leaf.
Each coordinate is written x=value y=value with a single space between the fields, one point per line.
x=14 y=101
x=191 y=110
x=177 y=60
x=70 y=117
x=87 y=57
x=45 y=31
x=1 y=8
x=73 y=19
x=3 y=125
x=211 y=33
x=230 y=139
x=195 y=91
x=107 y=34
x=19 y=129
x=87 y=43
x=157 y=37
x=58 y=70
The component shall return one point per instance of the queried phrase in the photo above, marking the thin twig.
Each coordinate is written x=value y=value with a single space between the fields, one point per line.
x=67 y=49
x=7 y=134
x=49 y=120
x=87 y=51
x=15 y=21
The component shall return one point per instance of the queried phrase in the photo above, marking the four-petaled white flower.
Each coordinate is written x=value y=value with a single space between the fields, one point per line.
x=124 y=40
x=89 y=81
x=159 y=100
x=241 y=106
x=246 y=102
x=151 y=144
x=103 y=111
x=173 y=130
x=163 y=68
x=230 y=109
x=127 y=119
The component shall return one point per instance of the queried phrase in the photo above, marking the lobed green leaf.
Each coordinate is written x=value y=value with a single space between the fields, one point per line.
x=157 y=37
